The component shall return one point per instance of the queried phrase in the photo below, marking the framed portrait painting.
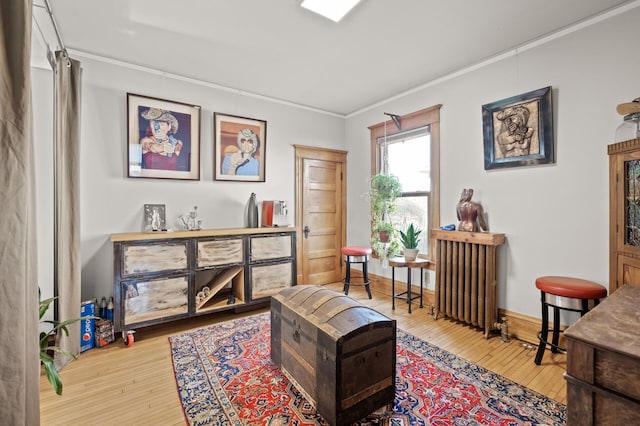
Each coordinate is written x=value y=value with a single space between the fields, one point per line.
x=518 y=131
x=163 y=138
x=240 y=147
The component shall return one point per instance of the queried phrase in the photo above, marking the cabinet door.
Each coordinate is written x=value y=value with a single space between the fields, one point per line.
x=627 y=203
x=220 y=251
x=628 y=271
x=270 y=247
x=268 y=279
x=152 y=299
x=153 y=257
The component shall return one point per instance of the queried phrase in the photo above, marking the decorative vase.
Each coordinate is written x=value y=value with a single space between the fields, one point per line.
x=252 y=212
x=410 y=254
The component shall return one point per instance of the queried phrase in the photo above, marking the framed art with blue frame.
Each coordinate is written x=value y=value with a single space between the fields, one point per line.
x=518 y=131
x=240 y=148
x=163 y=138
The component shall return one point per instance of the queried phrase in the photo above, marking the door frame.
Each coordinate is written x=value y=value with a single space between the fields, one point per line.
x=303 y=152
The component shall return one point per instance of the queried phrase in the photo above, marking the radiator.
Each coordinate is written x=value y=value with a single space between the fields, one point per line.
x=467 y=277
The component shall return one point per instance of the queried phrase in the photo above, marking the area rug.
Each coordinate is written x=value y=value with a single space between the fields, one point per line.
x=225 y=376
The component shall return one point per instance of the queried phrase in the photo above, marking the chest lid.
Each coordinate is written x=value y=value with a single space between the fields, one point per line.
x=334 y=313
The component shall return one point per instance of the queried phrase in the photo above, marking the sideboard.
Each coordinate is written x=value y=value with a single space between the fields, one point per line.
x=165 y=276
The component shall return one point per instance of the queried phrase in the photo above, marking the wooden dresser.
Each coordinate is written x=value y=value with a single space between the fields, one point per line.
x=164 y=276
x=603 y=362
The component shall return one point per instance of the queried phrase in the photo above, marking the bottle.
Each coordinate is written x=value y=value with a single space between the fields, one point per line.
x=110 y=309
x=103 y=308
x=252 y=212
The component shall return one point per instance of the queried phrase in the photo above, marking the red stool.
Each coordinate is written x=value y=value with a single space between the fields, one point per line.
x=356 y=254
x=570 y=294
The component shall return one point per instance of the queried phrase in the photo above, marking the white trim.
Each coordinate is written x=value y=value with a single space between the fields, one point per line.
x=513 y=52
x=123 y=64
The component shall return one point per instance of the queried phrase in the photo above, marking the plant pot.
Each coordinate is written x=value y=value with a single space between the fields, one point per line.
x=383 y=236
x=410 y=254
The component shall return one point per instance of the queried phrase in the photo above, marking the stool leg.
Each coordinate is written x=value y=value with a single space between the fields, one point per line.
x=347 y=279
x=544 y=333
x=585 y=306
x=556 y=330
x=366 y=278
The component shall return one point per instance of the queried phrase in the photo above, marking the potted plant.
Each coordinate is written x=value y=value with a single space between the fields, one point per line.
x=410 y=240
x=385 y=231
x=47 y=351
x=384 y=190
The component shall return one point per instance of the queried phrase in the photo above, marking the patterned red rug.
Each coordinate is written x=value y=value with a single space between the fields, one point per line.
x=225 y=376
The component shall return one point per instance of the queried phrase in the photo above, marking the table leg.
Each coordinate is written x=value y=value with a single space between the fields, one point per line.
x=409 y=287
x=421 y=279
x=393 y=287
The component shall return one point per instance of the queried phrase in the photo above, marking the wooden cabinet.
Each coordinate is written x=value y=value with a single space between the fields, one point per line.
x=603 y=363
x=624 y=214
x=164 y=276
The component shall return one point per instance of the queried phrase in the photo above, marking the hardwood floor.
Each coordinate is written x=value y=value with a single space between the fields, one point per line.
x=136 y=386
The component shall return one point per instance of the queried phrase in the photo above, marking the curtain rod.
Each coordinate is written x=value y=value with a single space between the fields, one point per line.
x=63 y=49
x=55 y=27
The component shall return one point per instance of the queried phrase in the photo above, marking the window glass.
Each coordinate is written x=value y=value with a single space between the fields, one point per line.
x=409 y=160
x=407 y=156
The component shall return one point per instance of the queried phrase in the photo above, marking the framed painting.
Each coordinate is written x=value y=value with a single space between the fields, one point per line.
x=518 y=131
x=240 y=147
x=163 y=138
x=155 y=218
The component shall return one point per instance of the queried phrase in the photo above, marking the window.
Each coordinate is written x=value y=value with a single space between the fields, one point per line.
x=411 y=153
x=407 y=156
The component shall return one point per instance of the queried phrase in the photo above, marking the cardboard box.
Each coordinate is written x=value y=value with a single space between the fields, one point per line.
x=87 y=326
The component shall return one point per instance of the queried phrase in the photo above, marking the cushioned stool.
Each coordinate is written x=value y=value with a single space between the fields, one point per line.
x=570 y=294
x=356 y=254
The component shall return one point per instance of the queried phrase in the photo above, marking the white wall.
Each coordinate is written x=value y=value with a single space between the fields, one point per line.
x=112 y=203
x=555 y=217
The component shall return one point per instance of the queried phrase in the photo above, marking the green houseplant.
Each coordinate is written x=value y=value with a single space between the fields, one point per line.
x=384 y=190
x=410 y=241
x=46 y=351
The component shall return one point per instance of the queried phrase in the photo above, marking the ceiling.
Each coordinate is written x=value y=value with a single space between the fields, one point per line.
x=279 y=50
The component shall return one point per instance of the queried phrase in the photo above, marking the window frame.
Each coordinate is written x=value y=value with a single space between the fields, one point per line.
x=422 y=118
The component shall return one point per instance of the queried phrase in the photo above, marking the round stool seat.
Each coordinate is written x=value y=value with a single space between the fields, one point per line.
x=356 y=254
x=574 y=288
x=356 y=251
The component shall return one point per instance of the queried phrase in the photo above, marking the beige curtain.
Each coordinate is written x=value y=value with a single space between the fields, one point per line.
x=19 y=362
x=67 y=200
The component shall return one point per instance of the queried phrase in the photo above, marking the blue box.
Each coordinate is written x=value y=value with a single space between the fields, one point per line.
x=87 y=326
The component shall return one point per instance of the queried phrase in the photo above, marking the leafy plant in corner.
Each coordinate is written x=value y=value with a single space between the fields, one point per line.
x=45 y=357
x=410 y=238
x=384 y=190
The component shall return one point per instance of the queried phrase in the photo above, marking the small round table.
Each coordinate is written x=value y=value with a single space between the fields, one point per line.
x=408 y=295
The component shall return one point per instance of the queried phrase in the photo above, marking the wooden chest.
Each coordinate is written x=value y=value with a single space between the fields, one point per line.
x=603 y=362
x=339 y=353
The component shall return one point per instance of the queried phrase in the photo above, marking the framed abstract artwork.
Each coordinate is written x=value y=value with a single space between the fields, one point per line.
x=518 y=131
x=240 y=144
x=163 y=138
